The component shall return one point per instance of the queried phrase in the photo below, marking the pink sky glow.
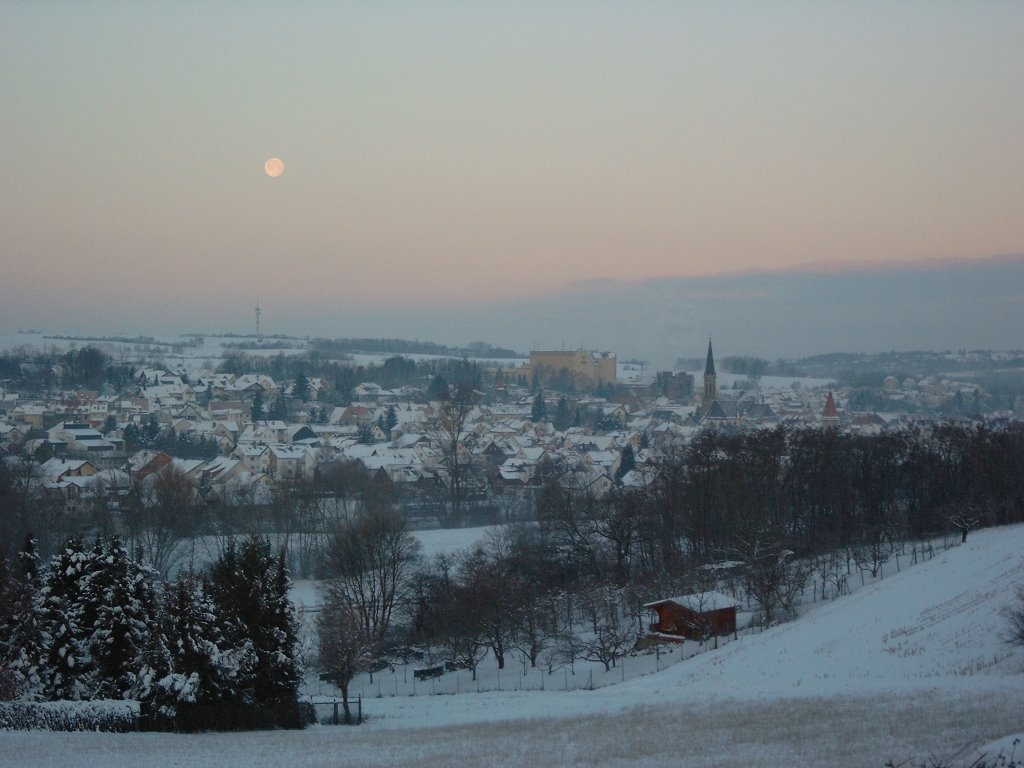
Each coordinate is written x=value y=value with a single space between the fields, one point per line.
x=441 y=153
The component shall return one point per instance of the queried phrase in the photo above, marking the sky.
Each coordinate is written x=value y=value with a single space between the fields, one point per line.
x=449 y=166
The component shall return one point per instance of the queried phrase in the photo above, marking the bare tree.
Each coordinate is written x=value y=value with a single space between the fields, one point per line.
x=830 y=570
x=603 y=637
x=158 y=513
x=795 y=573
x=965 y=523
x=346 y=647
x=1014 y=615
x=370 y=565
x=871 y=555
x=617 y=525
x=463 y=630
x=568 y=518
x=772 y=575
x=489 y=582
x=453 y=411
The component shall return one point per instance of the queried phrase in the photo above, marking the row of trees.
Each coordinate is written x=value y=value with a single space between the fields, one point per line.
x=808 y=491
x=765 y=516
x=382 y=599
x=221 y=647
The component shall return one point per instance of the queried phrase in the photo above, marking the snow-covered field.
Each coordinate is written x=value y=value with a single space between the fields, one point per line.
x=910 y=665
x=208 y=355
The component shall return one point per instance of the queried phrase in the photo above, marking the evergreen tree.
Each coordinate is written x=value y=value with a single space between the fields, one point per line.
x=120 y=636
x=438 y=389
x=21 y=641
x=132 y=437
x=539 y=412
x=365 y=434
x=67 y=664
x=151 y=431
x=563 y=415
x=189 y=660
x=283 y=665
x=249 y=587
x=300 y=388
x=627 y=463
x=278 y=410
x=92 y=589
x=44 y=452
x=257 y=412
x=390 y=419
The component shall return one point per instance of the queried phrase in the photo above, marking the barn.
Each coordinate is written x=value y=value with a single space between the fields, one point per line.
x=696 y=616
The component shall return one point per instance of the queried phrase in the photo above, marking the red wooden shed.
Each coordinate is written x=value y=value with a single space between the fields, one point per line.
x=693 y=617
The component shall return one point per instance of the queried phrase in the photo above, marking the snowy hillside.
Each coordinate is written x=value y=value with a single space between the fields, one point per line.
x=933 y=623
x=913 y=664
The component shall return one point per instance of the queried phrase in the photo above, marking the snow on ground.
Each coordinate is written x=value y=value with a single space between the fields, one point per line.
x=727 y=381
x=450 y=540
x=435 y=542
x=935 y=623
x=910 y=665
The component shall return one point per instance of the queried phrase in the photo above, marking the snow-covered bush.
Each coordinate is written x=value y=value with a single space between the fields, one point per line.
x=99 y=715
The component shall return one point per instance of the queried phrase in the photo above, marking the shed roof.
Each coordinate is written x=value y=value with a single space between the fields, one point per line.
x=700 y=602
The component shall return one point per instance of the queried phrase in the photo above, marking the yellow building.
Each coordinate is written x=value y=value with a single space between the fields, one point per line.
x=588 y=368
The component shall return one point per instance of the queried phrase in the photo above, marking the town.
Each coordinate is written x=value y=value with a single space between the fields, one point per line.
x=82 y=429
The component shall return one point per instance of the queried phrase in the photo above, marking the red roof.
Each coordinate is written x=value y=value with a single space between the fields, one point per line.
x=830 y=408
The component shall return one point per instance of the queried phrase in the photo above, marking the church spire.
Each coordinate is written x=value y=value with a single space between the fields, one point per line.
x=830 y=415
x=710 y=380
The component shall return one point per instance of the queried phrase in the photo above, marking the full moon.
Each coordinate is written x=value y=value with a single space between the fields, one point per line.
x=274 y=166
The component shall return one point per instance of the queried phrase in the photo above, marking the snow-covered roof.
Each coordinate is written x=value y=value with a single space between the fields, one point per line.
x=700 y=602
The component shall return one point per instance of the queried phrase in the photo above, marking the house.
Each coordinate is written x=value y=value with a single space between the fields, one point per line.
x=274 y=431
x=147 y=462
x=222 y=470
x=58 y=469
x=696 y=616
x=255 y=456
x=13 y=434
x=234 y=410
x=290 y=462
x=31 y=414
x=82 y=439
x=247 y=385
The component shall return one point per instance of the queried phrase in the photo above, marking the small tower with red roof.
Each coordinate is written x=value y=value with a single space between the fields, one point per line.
x=830 y=416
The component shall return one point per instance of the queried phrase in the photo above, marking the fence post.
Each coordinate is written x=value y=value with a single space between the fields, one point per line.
x=334 y=717
x=359 y=710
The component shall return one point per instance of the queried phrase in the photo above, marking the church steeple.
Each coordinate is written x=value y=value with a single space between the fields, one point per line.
x=710 y=380
x=830 y=416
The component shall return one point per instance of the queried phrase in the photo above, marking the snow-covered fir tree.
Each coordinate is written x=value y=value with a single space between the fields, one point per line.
x=123 y=620
x=67 y=666
x=189 y=660
x=21 y=637
x=249 y=587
